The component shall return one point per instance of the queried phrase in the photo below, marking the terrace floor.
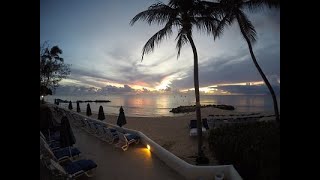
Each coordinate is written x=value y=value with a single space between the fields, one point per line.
x=114 y=163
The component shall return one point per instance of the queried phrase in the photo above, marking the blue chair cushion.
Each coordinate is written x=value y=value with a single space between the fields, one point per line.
x=114 y=134
x=85 y=164
x=193 y=124
x=132 y=136
x=55 y=136
x=72 y=168
x=113 y=130
x=65 y=152
x=55 y=144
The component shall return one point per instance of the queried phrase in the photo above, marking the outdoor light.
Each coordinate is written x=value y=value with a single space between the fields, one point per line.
x=41 y=96
x=148 y=147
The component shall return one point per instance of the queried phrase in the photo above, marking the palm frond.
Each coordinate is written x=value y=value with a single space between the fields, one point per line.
x=181 y=4
x=156 y=38
x=226 y=20
x=157 y=13
x=255 y=5
x=209 y=8
x=206 y=24
x=246 y=27
x=181 y=40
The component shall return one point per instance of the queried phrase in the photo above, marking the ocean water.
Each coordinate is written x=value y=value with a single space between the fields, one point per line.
x=159 y=105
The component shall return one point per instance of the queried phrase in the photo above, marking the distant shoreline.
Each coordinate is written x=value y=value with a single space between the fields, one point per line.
x=80 y=101
x=160 y=105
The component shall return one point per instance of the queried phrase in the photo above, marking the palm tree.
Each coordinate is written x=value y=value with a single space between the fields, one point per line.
x=233 y=11
x=183 y=15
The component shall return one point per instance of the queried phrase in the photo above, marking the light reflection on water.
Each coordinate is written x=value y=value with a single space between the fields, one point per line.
x=160 y=105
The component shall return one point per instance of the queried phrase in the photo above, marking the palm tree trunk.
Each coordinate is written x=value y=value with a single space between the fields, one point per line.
x=196 y=89
x=274 y=98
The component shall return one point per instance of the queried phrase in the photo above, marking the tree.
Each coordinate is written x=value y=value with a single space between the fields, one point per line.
x=233 y=12
x=52 y=68
x=183 y=15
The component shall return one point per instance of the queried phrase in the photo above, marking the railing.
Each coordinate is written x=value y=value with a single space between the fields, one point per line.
x=189 y=171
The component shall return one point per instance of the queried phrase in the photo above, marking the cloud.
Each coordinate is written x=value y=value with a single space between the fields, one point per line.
x=249 y=89
x=74 y=90
x=117 y=90
x=105 y=51
x=232 y=69
x=83 y=90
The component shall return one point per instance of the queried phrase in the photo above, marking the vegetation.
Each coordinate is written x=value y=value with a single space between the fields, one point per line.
x=253 y=148
x=52 y=68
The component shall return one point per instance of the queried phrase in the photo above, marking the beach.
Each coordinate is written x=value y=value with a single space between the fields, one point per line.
x=172 y=133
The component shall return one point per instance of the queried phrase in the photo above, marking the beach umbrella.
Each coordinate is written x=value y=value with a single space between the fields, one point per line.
x=78 y=107
x=88 y=110
x=70 y=105
x=121 y=118
x=45 y=119
x=101 y=114
x=67 y=138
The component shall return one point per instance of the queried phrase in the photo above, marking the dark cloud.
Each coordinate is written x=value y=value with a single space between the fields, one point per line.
x=74 y=90
x=127 y=73
x=232 y=70
x=83 y=90
x=249 y=89
x=117 y=90
x=101 y=54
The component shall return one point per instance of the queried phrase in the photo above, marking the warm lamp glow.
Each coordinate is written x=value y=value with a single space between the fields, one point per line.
x=148 y=147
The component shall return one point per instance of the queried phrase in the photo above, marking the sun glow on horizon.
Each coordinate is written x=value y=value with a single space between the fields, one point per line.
x=165 y=83
x=164 y=86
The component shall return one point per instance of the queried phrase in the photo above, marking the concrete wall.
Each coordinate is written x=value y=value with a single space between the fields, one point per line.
x=189 y=171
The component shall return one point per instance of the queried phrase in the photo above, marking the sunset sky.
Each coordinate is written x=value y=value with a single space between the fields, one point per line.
x=105 y=51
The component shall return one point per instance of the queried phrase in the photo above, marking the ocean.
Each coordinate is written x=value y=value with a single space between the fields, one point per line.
x=143 y=105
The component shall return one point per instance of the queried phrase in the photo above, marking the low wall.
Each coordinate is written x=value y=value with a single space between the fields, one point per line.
x=189 y=171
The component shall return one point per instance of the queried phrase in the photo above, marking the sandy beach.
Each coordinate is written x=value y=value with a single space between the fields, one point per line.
x=172 y=133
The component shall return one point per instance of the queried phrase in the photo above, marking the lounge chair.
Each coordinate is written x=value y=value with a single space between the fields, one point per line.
x=111 y=134
x=93 y=129
x=100 y=131
x=126 y=139
x=61 y=154
x=75 y=169
x=53 y=144
x=87 y=126
x=78 y=121
x=193 y=128
x=205 y=123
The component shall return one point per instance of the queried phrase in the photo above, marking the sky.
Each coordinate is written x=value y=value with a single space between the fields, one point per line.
x=104 y=51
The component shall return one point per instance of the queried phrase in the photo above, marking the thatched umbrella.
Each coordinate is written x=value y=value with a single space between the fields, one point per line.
x=121 y=118
x=78 y=107
x=70 y=105
x=101 y=114
x=88 y=110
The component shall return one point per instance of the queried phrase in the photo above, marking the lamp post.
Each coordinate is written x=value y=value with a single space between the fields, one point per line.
x=42 y=99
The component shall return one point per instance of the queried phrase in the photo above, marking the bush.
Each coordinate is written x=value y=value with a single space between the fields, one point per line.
x=253 y=149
